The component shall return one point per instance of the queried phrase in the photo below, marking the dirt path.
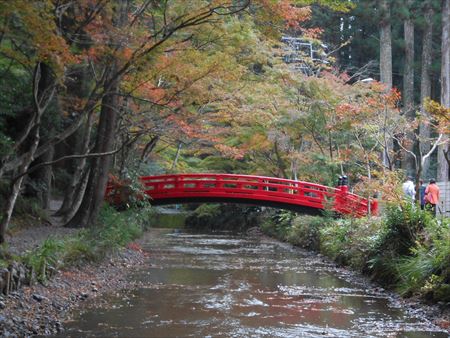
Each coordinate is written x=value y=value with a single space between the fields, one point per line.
x=31 y=237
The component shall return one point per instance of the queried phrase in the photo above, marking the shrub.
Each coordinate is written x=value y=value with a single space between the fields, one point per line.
x=268 y=226
x=208 y=210
x=117 y=229
x=30 y=207
x=334 y=240
x=403 y=224
x=364 y=236
x=78 y=250
x=91 y=244
x=218 y=217
x=305 y=231
x=350 y=241
x=413 y=271
x=283 y=221
x=427 y=270
x=48 y=255
x=403 y=227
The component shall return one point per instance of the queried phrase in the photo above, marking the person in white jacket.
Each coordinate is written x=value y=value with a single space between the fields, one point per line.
x=409 y=188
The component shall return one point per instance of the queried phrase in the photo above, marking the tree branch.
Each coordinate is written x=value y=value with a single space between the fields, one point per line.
x=437 y=143
x=71 y=157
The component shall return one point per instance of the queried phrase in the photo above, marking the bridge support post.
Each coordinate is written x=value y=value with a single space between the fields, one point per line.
x=339 y=199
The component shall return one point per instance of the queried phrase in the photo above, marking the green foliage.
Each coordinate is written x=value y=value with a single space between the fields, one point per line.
x=402 y=226
x=80 y=249
x=30 y=208
x=427 y=270
x=351 y=241
x=298 y=230
x=305 y=231
x=268 y=227
x=402 y=229
x=5 y=256
x=3 y=263
x=335 y=5
x=413 y=252
x=208 y=210
x=47 y=256
x=335 y=240
x=15 y=98
x=117 y=229
x=413 y=271
x=278 y=224
x=89 y=245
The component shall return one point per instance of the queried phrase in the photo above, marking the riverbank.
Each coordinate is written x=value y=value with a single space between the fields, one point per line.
x=41 y=309
x=48 y=270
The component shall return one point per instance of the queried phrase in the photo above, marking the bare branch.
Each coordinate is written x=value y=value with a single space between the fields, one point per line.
x=71 y=157
x=436 y=144
x=399 y=142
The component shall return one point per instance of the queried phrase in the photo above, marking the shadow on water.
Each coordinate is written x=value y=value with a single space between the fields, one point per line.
x=222 y=285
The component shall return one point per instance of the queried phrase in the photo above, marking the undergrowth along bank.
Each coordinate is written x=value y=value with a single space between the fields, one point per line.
x=113 y=231
x=407 y=249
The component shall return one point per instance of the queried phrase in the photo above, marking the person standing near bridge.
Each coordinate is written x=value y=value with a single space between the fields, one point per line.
x=432 y=195
x=422 y=188
x=409 y=189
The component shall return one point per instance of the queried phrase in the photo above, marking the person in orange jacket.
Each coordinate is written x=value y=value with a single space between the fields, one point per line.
x=432 y=195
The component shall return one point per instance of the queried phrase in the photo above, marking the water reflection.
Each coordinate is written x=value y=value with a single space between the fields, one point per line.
x=226 y=286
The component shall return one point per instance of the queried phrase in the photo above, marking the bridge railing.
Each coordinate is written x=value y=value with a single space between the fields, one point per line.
x=252 y=188
x=239 y=186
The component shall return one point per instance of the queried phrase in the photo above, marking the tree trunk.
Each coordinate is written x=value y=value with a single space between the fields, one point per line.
x=9 y=205
x=77 y=196
x=177 y=155
x=385 y=43
x=147 y=150
x=79 y=142
x=43 y=94
x=418 y=177
x=443 y=168
x=385 y=61
x=408 y=88
x=100 y=167
x=80 y=167
x=93 y=198
x=281 y=166
x=45 y=178
x=425 y=83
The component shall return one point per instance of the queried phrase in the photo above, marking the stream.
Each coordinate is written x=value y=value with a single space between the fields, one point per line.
x=223 y=285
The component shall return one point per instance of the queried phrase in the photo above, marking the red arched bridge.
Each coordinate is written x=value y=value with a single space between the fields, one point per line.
x=257 y=190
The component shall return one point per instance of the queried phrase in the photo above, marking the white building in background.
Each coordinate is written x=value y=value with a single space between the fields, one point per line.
x=444 y=203
x=306 y=56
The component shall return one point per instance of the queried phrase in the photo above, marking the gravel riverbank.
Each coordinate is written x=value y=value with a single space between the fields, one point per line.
x=41 y=310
